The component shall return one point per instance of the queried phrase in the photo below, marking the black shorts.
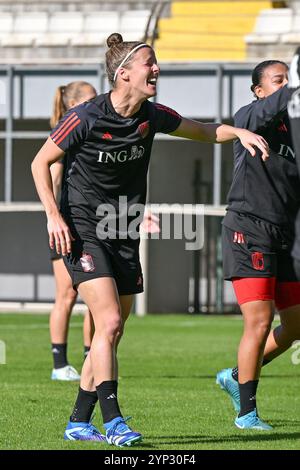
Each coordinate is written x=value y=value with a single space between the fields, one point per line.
x=54 y=255
x=117 y=259
x=255 y=248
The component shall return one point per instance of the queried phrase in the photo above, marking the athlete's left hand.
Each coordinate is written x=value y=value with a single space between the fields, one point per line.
x=252 y=142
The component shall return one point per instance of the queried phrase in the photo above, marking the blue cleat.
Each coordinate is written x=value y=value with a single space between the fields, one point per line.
x=230 y=386
x=252 y=421
x=82 y=432
x=120 y=434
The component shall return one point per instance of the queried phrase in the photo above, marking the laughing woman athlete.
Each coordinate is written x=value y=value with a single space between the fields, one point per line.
x=111 y=139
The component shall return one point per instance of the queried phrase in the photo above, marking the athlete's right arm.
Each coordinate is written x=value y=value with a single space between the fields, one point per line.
x=59 y=234
x=56 y=171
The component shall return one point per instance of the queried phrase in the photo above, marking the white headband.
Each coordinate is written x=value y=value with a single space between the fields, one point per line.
x=127 y=57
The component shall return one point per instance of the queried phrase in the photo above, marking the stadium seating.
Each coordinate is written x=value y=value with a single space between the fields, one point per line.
x=96 y=27
x=6 y=25
x=25 y=29
x=207 y=30
x=292 y=36
x=62 y=27
x=187 y=30
x=276 y=33
x=48 y=34
x=134 y=24
x=270 y=25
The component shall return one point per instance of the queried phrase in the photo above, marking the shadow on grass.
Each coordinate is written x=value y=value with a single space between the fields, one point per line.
x=198 y=439
x=279 y=376
x=284 y=422
x=183 y=377
x=199 y=376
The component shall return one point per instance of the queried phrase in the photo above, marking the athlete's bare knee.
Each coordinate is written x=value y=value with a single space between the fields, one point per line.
x=66 y=296
x=112 y=325
x=260 y=327
x=69 y=302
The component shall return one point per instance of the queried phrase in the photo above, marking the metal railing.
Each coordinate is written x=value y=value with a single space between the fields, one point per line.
x=9 y=73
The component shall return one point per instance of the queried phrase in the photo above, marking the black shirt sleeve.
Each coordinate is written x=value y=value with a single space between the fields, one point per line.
x=294 y=116
x=74 y=127
x=261 y=113
x=166 y=120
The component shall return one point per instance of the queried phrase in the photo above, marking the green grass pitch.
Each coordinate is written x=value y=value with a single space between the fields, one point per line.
x=167 y=383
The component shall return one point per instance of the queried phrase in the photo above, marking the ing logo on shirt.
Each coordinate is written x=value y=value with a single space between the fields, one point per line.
x=286 y=151
x=121 y=156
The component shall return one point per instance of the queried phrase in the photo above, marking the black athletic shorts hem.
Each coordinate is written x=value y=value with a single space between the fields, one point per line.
x=89 y=261
x=54 y=255
x=253 y=248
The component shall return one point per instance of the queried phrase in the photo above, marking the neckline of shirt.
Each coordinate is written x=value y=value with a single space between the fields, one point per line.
x=115 y=113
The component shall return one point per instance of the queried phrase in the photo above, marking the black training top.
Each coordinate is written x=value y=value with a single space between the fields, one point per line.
x=268 y=190
x=109 y=154
x=294 y=115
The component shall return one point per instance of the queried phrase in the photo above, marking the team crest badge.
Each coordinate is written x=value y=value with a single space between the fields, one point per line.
x=258 y=261
x=144 y=129
x=87 y=263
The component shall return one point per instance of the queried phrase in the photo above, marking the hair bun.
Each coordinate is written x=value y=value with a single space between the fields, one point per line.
x=114 y=39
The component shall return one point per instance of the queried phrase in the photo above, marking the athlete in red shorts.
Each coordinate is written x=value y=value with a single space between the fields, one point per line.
x=258 y=236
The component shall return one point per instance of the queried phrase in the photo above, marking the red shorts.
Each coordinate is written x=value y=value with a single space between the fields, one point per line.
x=284 y=294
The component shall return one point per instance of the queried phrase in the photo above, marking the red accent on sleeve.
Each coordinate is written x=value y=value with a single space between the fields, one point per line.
x=55 y=133
x=67 y=131
x=168 y=110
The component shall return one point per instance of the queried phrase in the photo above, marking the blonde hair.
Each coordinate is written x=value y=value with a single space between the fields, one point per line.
x=64 y=94
x=117 y=52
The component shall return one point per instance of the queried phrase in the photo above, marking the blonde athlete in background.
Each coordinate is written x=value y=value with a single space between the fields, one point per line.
x=66 y=97
x=110 y=140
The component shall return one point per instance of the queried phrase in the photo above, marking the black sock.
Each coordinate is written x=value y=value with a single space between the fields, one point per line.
x=84 y=406
x=235 y=370
x=248 y=396
x=86 y=350
x=265 y=362
x=108 y=398
x=59 y=352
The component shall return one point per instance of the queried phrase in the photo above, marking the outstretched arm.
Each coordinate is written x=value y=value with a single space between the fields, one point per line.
x=59 y=233
x=220 y=133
